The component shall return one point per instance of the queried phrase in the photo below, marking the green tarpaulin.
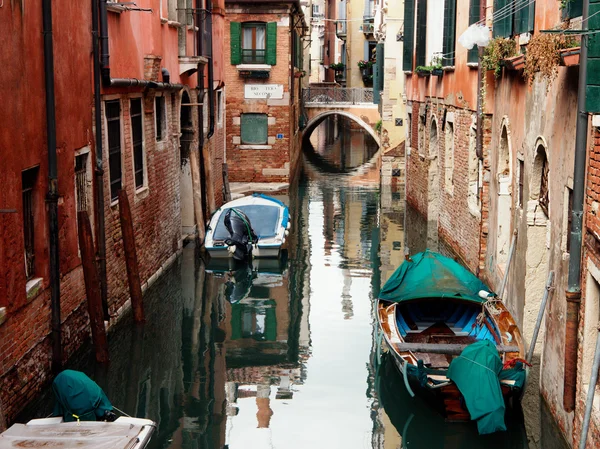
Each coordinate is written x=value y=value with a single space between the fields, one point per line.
x=79 y=398
x=475 y=372
x=431 y=275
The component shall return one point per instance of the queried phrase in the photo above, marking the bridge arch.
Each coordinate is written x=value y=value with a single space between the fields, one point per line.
x=315 y=121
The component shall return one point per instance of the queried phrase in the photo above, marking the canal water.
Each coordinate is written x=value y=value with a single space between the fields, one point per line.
x=284 y=354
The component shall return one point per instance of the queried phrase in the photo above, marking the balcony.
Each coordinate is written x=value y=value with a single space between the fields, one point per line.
x=368 y=26
x=341 y=29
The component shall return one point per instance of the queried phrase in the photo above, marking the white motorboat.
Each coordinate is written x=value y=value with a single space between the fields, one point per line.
x=262 y=224
x=55 y=433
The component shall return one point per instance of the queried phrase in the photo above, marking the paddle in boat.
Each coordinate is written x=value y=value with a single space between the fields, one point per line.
x=250 y=227
x=454 y=343
x=83 y=418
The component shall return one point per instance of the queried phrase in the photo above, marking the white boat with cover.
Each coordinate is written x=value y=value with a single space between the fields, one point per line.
x=253 y=226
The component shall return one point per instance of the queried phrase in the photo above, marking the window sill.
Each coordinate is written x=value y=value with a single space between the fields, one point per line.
x=263 y=67
x=142 y=192
x=173 y=24
x=255 y=147
x=115 y=7
x=2 y=315
x=473 y=65
x=33 y=288
x=448 y=68
x=163 y=20
x=114 y=203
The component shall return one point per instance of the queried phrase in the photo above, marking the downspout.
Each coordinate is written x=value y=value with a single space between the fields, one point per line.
x=211 y=92
x=99 y=171
x=198 y=186
x=52 y=195
x=479 y=135
x=573 y=293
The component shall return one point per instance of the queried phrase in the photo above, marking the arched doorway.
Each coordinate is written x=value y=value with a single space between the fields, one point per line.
x=186 y=140
x=433 y=187
x=504 y=206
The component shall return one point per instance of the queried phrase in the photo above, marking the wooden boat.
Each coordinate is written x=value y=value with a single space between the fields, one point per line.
x=267 y=219
x=434 y=315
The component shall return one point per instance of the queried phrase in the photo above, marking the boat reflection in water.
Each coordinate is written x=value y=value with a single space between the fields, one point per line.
x=421 y=427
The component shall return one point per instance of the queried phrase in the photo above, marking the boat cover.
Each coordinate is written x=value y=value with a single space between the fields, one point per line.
x=78 y=397
x=431 y=275
x=475 y=372
x=83 y=435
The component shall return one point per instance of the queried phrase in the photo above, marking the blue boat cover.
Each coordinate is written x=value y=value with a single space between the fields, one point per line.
x=263 y=219
x=431 y=275
x=475 y=372
x=286 y=211
x=78 y=397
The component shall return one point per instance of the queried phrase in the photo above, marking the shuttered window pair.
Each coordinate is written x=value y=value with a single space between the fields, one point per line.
x=513 y=17
x=253 y=43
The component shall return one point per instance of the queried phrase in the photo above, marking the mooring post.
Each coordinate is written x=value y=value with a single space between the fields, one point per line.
x=131 y=262
x=92 y=287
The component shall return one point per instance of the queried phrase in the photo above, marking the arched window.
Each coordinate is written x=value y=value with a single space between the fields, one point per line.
x=449 y=158
x=539 y=179
x=433 y=140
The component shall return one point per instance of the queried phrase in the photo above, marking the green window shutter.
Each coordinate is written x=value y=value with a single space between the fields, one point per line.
x=378 y=73
x=271 y=54
x=409 y=35
x=421 y=32
x=449 y=41
x=503 y=27
x=254 y=129
x=573 y=8
x=524 y=18
x=473 y=54
x=235 y=35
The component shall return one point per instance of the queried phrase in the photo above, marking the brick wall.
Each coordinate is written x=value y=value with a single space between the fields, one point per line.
x=272 y=164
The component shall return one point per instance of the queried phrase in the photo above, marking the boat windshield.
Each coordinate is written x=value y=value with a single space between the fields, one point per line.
x=263 y=219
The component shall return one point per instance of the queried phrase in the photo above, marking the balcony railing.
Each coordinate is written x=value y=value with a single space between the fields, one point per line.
x=333 y=95
x=341 y=29
x=252 y=56
x=368 y=27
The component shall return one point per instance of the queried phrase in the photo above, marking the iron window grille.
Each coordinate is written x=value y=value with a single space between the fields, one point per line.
x=254 y=36
x=113 y=126
x=28 y=180
x=137 y=137
x=159 y=115
x=81 y=181
x=254 y=129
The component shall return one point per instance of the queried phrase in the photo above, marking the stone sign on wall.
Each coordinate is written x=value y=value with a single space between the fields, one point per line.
x=274 y=91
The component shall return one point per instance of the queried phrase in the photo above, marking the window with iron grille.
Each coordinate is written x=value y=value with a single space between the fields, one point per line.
x=219 y=100
x=160 y=115
x=521 y=182
x=544 y=200
x=254 y=42
x=81 y=181
x=28 y=181
x=254 y=129
x=113 y=127
x=137 y=138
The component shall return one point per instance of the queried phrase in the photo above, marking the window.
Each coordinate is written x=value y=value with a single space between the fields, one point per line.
x=449 y=158
x=219 y=108
x=569 y=220
x=449 y=42
x=517 y=17
x=543 y=199
x=253 y=43
x=474 y=5
x=159 y=115
x=81 y=182
x=409 y=35
x=254 y=129
x=298 y=50
x=28 y=181
x=421 y=32
x=137 y=138
x=475 y=172
x=113 y=127
x=573 y=8
x=315 y=9
x=521 y=178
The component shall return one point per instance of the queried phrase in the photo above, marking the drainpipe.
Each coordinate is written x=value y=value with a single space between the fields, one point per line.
x=99 y=171
x=573 y=293
x=52 y=195
x=480 y=81
x=211 y=92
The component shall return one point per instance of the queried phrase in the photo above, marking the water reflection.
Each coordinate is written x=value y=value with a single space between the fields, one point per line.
x=339 y=145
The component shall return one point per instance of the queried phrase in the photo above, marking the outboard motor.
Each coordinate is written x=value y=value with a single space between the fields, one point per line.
x=241 y=234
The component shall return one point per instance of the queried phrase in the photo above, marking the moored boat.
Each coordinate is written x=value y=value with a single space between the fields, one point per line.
x=254 y=226
x=453 y=341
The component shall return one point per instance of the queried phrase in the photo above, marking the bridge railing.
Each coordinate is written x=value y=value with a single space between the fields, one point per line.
x=333 y=95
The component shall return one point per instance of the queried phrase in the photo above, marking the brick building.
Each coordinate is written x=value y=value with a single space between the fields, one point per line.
x=482 y=179
x=152 y=139
x=264 y=48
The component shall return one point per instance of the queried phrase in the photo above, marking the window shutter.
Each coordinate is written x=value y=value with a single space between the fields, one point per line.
x=524 y=18
x=271 y=54
x=235 y=35
x=449 y=33
x=409 y=35
x=503 y=27
x=378 y=74
x=574 y=8
x=421 y=32
x=473 y=54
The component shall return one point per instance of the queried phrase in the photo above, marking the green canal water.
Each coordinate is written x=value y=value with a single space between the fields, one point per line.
x=285 y=355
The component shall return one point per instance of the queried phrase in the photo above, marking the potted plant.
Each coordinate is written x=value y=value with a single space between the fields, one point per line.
x=423 y=70
x=436 y=67
x=299 y=73
x=337 y=67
